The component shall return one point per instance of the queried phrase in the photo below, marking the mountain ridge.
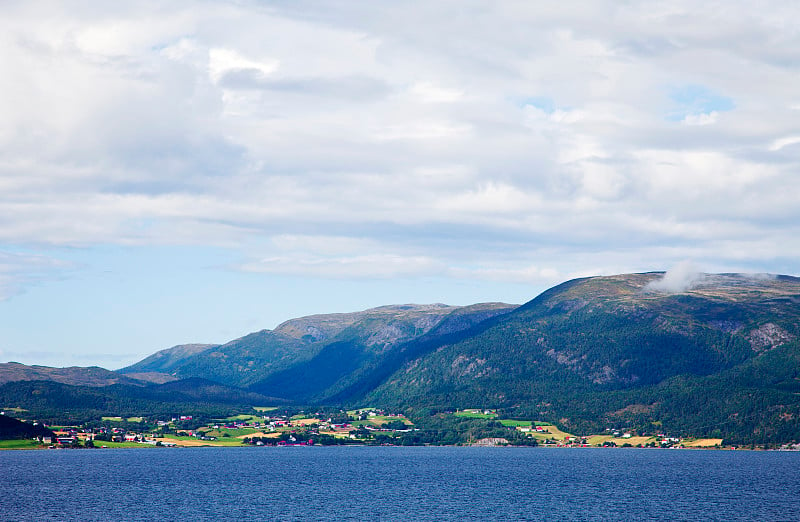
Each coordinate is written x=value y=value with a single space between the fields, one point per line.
x=702 y=354
x=251 y=360
x=585 y=350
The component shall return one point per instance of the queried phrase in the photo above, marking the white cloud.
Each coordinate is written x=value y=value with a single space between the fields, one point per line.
x=784 y=142
x=523 y=274
x=489 y=198
x=430 y=93
x=19 y=271
x=708 y=118
x=225 y=61
x=528 y=130
x=375 y=266
x=679 y=278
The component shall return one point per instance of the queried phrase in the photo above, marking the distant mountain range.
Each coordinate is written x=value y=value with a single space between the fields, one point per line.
x=718 y=355
x=316 y=358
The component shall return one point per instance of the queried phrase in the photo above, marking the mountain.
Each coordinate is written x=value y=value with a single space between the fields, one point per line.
x=62 y=403
x=73 y=375
x=166 y=361
x=309 y=358
x=714 y=355
x=718 y=356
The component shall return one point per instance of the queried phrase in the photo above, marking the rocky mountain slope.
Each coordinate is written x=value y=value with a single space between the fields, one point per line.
x=302 y=357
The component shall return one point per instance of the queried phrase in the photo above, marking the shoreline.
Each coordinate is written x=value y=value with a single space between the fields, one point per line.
x=501 y=446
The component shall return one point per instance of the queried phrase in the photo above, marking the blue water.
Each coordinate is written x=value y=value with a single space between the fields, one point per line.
x=377 y=483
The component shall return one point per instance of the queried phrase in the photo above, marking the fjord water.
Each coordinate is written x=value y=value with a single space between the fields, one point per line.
x=385 y=483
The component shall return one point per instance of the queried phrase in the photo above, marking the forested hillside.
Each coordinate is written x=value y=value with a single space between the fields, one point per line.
x=720 y=357
x=61 y=403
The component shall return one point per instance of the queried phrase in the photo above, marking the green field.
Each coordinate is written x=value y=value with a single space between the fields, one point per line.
x=120 y=419
x=227 y=441
x=475 y=414
x=19 y=444
x=265 y=408
x=511 y=423
x=383 y=419
x=598 y=440
x=220 y=433
x=552 y=433
x=244 y=418
x=107 y=444
x=359 y=411
x=181 y=437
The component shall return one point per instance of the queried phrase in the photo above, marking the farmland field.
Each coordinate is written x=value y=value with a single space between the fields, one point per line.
x=20 y=444
x=552 y=433
x=305 y=421
x=597 y=440
x=244 y=418
x=262 y=434
x=107 y=444
x=221 y=432
x=703 y=443
x=193 y=442
x=633 y=441
x=510 y=423
x=475 y=414
x=380 y=420
x=120 y=419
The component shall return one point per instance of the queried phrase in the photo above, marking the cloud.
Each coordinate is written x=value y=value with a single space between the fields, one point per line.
x=680 y=278
x=222 y=62
x=701 y=119
x=529 y=136
x=375 y=266
x=523 y=274
x=19 y=271
x=430 y=93
x=784 y=142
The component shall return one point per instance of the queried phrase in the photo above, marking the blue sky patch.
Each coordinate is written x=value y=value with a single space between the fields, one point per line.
x=542 y=103
x=697 y=99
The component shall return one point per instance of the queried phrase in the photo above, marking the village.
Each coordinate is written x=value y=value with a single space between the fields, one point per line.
x=264 y=428
x=271 y=427
x=548 y=435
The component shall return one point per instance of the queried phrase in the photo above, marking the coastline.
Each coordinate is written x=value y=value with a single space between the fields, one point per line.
x=499 y=446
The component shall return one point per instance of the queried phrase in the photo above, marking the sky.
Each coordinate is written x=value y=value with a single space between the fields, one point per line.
x=176 y=172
